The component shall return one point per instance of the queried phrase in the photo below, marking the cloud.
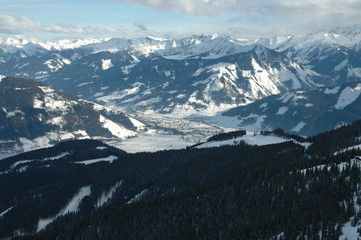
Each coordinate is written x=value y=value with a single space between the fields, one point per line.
x=140 y=26
x=216 y=7
x=11 y=25
x=194 y=7
x=301 y=14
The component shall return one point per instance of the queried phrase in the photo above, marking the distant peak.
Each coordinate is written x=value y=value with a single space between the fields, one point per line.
x=157 y=38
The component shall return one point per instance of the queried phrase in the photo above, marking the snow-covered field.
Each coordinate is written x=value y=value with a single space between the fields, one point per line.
x=250 y=139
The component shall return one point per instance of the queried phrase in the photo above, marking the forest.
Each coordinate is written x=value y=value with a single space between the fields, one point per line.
x=279 y=191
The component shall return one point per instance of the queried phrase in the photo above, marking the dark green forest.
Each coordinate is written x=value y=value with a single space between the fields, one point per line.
x=279 y=191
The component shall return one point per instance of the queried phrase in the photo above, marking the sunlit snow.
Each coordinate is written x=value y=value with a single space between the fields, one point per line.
x=106 y=64
x=348 y=96
x=250 y=139
x=115 y=129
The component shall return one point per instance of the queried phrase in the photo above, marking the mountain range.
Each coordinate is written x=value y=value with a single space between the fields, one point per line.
x=196 y=74
x=200 y=75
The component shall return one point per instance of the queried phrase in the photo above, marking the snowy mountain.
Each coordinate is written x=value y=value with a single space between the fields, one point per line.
x=195 y=75
x=303 y=112
x=335 y=53
x=199 y=74
x=188 y=85
x=33 y=115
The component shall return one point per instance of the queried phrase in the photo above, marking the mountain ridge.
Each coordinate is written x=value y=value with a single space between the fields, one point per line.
x=34 y=115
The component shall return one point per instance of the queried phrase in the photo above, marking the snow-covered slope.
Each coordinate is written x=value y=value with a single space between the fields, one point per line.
x=199 y=74
x=334 y=53
x=183 y=86
x=302 y=112
x=33 y=115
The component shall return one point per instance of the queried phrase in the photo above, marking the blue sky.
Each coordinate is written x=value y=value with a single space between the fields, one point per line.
x=60 y=19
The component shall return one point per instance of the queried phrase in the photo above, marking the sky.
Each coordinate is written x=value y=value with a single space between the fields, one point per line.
x=51 y=20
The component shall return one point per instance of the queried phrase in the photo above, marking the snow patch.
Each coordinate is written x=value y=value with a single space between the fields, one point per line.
x=101 y=148
x=106 y=64
x=298 y=127
x=71 y=207
x=106 y=196
x=249 y=138
x=263 y=105
x=347 y=149
x=109 y=159
x=59 y=156
x=341 y=66
x=282 y=110
x=138 y=197
x=13 y=113
x=84 y=84
x=2 y=214
x=348 y=96
x=114 y=128
x=332 y=90
x=139 y=125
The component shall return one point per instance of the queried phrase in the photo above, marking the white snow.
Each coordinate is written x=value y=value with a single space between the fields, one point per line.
x=282 y=110
x=256 y=123
x=107 y=195
x=151 y=143
x=2 y=214
x=341 y=166
x=263 y=105
x=106 y=64
x=115 y=129
x=198 y=72
x=126 y=69
x=84 y=84
x=61 y=155
x=69 y=44
x=340 y=66
x=349 y=232
x=332 y=90
x=14 y=165
x=71 y=207
x=56 y=64
x=138 y=197
x=101 y=148
x=348 y=96
x=38 y=103
x=45 y=141
x=347 y=149
x=13 y=113
x=109 y=159
x=249 y=138
x=24 y=168
x=60 y=121
x=139 y=125
x=299 y=126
